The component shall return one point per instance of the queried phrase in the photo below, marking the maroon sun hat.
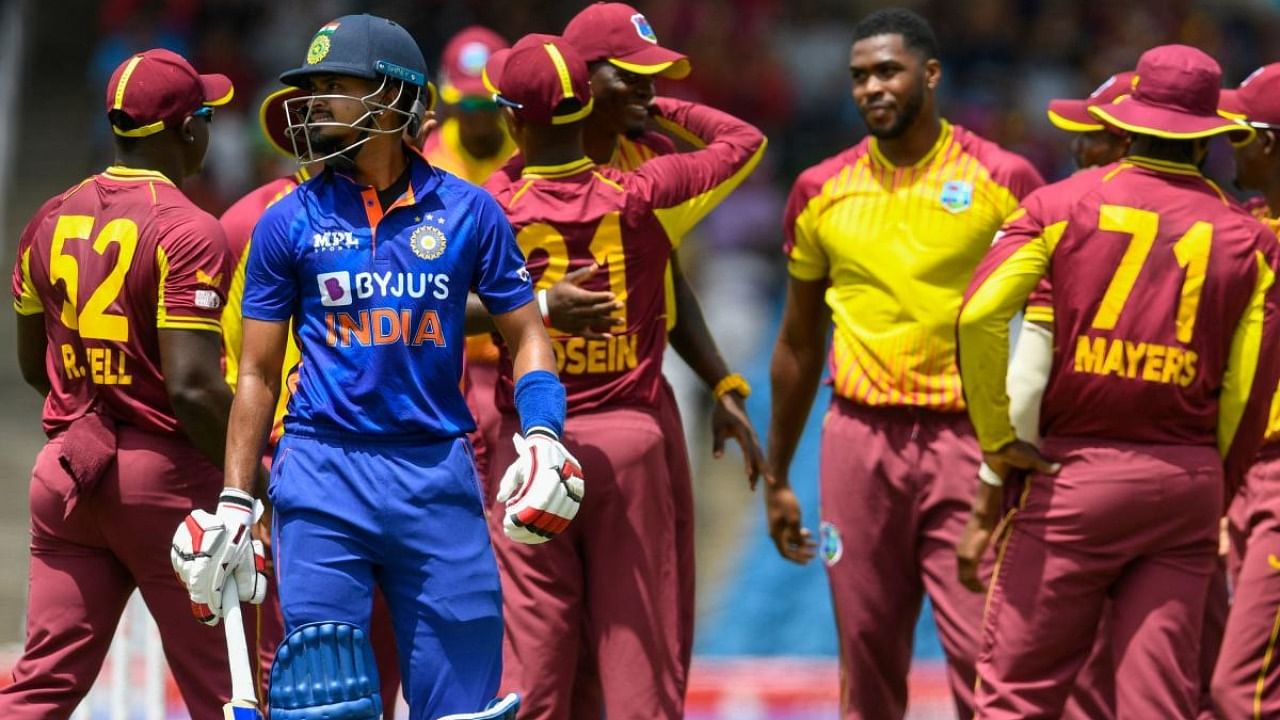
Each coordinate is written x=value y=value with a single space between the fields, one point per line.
x=1257 y=100
x=1072 y=114
x=158 y=88
x=1175 y=96
x=463 y=60
x=622 y=35
x=274 y=121
x=539 y=78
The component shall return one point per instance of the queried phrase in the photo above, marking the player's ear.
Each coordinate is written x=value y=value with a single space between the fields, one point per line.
x=932 y=73
x=188 y=135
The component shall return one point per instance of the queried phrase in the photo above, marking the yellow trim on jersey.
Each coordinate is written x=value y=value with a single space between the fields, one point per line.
x=982 y=333
x=1260 y=686
x=233 y=318
x=679 y=219
x=188 y=323
x=1168 y=166
x=28 y=303
x=551 y=172
x=1230 y=127
x=674 y=128
x=1242 y=362
x=944 y=138
x=609 y=182
x=1063 y=123
x=523 y=188
x=1039 y=314
x=128 y=174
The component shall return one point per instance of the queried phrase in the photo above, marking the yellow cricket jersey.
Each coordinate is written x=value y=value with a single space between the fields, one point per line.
x=444 y=149
x=898 y=246
x=238 y=222
x=1272 y=434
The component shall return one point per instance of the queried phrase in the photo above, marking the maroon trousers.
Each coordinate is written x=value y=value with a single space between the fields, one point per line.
x=1136 y=524
x=84 y=567
x=896 y=486
x=600 y=619
x=1246 y=682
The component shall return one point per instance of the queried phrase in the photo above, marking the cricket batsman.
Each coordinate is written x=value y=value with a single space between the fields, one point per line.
x=372 y=482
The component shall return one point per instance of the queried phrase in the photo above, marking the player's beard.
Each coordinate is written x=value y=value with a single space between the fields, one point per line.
x=907 y=114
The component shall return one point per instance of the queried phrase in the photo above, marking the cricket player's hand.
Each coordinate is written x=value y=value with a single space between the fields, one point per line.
x=978 y=532
x=1019 y=455
x=573 y=309
x=542 y=489
x=729 y=420
x=207 y=547
x=782 y=509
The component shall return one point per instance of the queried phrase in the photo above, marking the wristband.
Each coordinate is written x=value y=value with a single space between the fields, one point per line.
x=989 y=476
x=729 y=383
x=539 y=399
x=543 y=308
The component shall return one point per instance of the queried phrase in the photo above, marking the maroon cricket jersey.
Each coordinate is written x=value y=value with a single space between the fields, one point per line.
x=109 y=263
x=569 y=216
x=1164 y=308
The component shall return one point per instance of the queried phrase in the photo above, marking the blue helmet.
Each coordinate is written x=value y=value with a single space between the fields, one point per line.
x=368 y=47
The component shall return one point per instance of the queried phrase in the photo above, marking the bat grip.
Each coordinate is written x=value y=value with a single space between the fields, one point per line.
x=237 y=648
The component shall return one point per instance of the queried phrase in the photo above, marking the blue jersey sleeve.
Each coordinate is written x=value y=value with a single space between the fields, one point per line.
x=270 y=277
x=501 y=279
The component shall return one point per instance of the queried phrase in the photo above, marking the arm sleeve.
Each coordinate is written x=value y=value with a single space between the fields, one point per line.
x=999 y=289
x=194 y=269
x=1040 y=304
x=1251 y=375
x=270 y=279
x=501 y=279
x=26 y=299
x=1028 y=374
x=684 y=187
x=806 y=258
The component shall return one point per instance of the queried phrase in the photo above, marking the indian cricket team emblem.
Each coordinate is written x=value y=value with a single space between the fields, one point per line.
x=830 y=546
x=320 y=44
x=643 y=28
x=428 y=242
x=957 y=195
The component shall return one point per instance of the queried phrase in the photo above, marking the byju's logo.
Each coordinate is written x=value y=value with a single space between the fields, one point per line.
x=335 y=288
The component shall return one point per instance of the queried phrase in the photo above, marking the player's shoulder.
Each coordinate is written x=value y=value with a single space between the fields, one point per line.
x=811 y=180
x=462 y=196
x=1004 y=166
x=499 y=184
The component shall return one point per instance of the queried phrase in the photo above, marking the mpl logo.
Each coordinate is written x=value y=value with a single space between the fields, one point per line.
x=335 y=288
x=331 y=240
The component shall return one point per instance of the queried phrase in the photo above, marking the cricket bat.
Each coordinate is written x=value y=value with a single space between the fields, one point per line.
x=244 y=699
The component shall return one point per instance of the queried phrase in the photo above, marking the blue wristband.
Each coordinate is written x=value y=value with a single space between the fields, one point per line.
x=540 y=401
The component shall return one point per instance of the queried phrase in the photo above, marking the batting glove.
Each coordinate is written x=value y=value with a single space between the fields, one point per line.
x=209 y=546
x=542 y=489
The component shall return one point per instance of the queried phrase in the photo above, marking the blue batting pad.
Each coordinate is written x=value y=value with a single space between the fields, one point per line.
x=325 y=671
x=498 y=709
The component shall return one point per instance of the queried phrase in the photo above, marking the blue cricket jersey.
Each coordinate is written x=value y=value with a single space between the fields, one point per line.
x=379 y=299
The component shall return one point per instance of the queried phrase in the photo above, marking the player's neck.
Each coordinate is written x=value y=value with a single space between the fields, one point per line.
x=600 y=141
x=380 y=164
x=171 y=168
x=554 y=145
x=914 y=143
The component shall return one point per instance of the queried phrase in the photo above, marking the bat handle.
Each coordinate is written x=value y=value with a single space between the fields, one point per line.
x=237 y=648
